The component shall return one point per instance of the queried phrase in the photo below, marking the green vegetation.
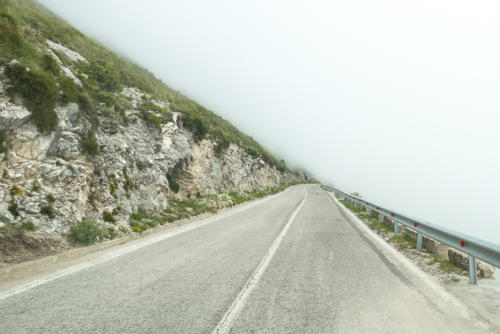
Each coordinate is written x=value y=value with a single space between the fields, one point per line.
x=13 y=210
x=108 y=217
x=174 y=186
x=104 y=75
x=404 y=241
x=447 y=266
x=87 y=232
x=89 y=143
x=28 y=226
x=186 y=208
x=39 y=92
x=49 y=64
x=25 y=25
x=48 y=211
x=18 y=229
x=70 y=92
x=51 y=198
x=140 y=222
x=156 y=120
x=3 y=139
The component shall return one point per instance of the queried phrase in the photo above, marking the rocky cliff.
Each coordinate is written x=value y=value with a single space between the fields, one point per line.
x=93 y=145
x=50 y=181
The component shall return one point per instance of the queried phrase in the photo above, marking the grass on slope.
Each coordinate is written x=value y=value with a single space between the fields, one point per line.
x=24 y=27
x=182 y=209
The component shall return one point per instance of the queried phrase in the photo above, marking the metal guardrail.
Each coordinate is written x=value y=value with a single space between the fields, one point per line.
x=471 y=246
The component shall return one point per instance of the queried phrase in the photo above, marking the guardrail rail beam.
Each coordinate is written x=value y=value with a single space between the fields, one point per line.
x=474 y=248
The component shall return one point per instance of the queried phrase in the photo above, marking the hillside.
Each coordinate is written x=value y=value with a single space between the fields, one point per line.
x=26 y=26
x=93 y=146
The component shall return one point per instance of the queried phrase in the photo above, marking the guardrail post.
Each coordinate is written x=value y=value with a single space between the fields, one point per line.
x=472 y=270
x=369 y=211
x=380 y=218
x=396 y=228
x=419 y=240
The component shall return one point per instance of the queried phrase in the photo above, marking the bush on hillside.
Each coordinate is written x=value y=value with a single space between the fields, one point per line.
x=10 y=38
x=252 y=152
x=89 y=143
x=49 y=64
x=196 y=126
x=3 y=139
x=172 y=184
x=39 y=92
x=104 y=74
x=69 y=90
x=86 y=232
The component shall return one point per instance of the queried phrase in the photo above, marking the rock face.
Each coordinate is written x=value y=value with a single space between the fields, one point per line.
x=49 y=181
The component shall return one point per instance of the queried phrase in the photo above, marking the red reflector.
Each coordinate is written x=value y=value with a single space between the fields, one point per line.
x=392 y=214
x=415 y=224
x=377 y=207
x=463 y=243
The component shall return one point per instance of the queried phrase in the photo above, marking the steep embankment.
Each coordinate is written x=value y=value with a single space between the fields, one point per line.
x=87 y=136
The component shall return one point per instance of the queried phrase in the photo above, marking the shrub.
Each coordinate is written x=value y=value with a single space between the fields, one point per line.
x=106 y=98
x=49 y=64
x=108 y=217
x=88 y=143
x=148 y=105
x=13 y=210
x=28 y=226
x=3 y=139
x=174 y=186
x=110 y=233
x=196 y=126
x=137 y=216
x=10 y=38
x=39 y=92
x=151 y=119
x=51 y=198
x=252 y=152
x=84 y=103
x=48 y=211
x=104 y=74
x=69 y=89
x=86 y=232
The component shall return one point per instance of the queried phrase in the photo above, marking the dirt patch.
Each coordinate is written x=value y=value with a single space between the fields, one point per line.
x=17 y=245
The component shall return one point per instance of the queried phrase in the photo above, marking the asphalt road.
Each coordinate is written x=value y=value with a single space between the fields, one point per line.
x=290 y=264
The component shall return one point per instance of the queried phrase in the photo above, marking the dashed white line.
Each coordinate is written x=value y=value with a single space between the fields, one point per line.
x=224 y=325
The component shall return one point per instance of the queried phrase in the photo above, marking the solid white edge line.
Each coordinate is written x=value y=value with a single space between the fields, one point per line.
x=239 y=302
x=460 y=307
x=129 y=248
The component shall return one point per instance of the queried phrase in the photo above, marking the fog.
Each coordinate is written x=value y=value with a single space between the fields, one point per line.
x=396 y=100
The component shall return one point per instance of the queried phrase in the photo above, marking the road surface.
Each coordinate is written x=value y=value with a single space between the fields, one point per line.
x=292 y=263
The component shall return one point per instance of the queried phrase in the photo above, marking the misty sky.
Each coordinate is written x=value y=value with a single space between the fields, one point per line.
x=397 y=100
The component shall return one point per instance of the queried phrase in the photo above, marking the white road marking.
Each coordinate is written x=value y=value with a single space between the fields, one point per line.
x=224 y=325
x=128 y=249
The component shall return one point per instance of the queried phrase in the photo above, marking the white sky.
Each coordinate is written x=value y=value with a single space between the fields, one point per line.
x=397 y=100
